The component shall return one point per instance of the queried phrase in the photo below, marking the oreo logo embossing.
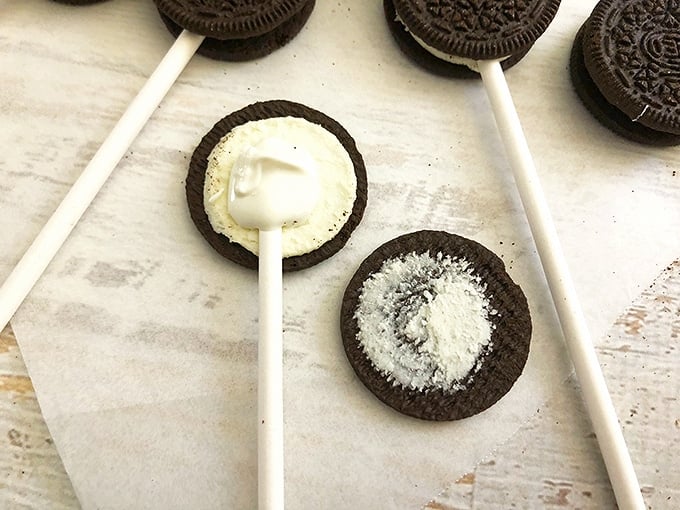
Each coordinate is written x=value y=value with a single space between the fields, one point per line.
x=663 y=48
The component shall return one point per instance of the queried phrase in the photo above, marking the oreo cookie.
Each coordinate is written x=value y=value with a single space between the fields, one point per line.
x=344 y=185
x=434 y=326
x=237 y=30
x=446 y=37
x=625 y=68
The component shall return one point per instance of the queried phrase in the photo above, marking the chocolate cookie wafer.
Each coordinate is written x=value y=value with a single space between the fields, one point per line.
x=625 y=67
x=448 y=36
x=341 y=172
x=433 y=325
x=237 y=30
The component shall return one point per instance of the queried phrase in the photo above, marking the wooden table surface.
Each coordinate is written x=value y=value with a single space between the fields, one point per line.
x=31 y=472
x=551 y=462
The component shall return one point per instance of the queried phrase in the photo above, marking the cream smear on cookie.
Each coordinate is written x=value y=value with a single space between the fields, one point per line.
x=424 y=321
x=273 y=184
x=335 y=171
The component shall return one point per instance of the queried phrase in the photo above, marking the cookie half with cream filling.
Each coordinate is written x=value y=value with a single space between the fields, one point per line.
x=341 y=173
x=447 y=37
x=434 y=326
x=237 y=30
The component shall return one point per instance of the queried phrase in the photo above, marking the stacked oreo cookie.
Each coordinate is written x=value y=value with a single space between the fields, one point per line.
x=237 y=30
x=625 y=67
x=447 y=36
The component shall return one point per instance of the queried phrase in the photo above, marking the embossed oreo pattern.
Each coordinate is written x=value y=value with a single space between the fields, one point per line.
x=413 y=50
x=477 y=29
x=230 y=19
x=632 y=51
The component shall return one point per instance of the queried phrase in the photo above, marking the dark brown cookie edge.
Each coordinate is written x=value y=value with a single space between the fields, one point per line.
x=502 y=365
x=259 y=111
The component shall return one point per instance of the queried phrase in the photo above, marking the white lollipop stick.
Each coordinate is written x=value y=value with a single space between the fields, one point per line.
x=271 y=184
x=57 y=229
x=270 y=372
x=598 y=401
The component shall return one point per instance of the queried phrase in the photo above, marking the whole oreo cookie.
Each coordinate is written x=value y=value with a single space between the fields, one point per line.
x=425 y=59
x=445 y=36
x=625 y=67
x=237 y=30
x=344 y=186
x=434 y=326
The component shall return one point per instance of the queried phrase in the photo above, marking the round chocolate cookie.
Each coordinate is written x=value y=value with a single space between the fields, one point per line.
x=625 y=67
x=433 y=325
x=237 y=30
x=445 y=36
x=284 y=117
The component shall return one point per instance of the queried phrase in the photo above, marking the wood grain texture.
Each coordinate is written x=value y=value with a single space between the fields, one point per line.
x=553 y=461
x=31 y=472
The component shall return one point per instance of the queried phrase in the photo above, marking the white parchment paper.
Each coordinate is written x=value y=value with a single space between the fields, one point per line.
x=142 y=342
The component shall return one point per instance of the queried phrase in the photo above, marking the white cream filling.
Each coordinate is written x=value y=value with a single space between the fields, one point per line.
x=336 y=176
x=272 y=184
x=453 y=59
x=424 y=322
